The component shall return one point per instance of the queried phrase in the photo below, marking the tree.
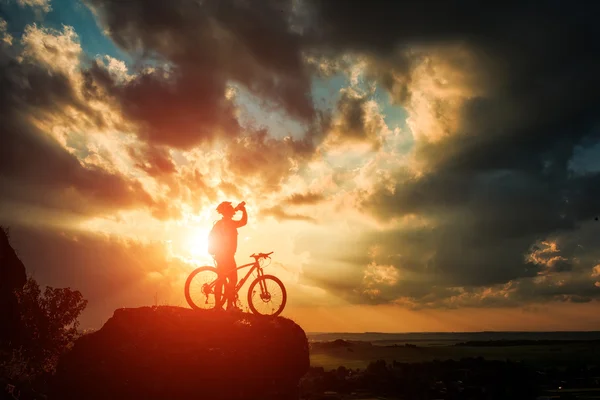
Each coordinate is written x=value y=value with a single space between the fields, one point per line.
x=48 y=322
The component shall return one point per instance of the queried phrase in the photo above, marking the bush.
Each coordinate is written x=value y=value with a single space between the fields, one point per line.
x=14 y=366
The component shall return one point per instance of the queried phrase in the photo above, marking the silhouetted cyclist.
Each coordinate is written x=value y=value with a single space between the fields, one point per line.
x=222 y=244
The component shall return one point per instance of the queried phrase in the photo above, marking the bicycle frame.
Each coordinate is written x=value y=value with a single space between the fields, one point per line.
x=255 y=266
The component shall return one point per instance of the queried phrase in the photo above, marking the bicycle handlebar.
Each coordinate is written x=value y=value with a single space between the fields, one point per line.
x=261 y=255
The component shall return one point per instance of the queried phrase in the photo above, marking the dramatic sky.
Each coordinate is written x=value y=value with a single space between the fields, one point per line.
x=417 y=165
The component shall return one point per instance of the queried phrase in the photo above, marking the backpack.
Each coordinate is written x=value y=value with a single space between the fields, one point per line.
x=215 y=240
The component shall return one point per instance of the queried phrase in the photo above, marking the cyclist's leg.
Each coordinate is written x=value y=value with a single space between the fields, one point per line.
x=231 y=281
x=219 y=294
x=220 y=284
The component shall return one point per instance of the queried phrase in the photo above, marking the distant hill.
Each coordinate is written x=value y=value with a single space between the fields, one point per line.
x=507 y=343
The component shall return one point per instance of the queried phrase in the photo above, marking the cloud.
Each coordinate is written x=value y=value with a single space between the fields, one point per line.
x=376 y=276
x=356 y=120
x=168 y=108
x=195 y=187
x=43 y=5
x=155 y=161
x=256 y=155
x=6 y=38
x=547 y=255
x=309 y=198
x=40 y=94
x=55 y=51
x=280 y=214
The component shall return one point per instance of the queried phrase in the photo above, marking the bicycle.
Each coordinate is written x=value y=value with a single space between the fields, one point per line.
x=205 y=279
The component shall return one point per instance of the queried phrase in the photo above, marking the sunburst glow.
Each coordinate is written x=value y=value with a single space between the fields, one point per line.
x=197 y=244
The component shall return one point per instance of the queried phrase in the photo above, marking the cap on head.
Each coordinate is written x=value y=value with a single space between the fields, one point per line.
x=225 y=208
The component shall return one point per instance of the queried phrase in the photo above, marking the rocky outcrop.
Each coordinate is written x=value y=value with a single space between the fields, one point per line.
x=179 y=353
x=12 y=278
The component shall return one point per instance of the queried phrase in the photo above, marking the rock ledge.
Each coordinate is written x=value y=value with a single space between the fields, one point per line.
x=178 y=353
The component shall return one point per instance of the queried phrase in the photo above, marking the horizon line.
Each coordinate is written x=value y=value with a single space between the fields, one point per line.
x=446 y=332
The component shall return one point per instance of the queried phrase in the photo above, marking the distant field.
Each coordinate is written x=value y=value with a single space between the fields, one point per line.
x=360 y=354
x=592 y=393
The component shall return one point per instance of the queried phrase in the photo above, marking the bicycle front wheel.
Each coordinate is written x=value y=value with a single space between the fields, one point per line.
x=267 y=296
x=202 y=289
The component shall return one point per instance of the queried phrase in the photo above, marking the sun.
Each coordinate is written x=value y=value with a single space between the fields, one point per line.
x=197 y=243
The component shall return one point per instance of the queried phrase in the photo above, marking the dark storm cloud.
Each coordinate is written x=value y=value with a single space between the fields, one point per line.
x=501 y=180
x=437 y=270
x=541 y=81
x=170 y=108
x=479 y=229
x=206 y=46
x=381 y=26
x=540 y=66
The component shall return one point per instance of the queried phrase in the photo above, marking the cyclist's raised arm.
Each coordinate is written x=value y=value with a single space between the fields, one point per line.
x=244 y=220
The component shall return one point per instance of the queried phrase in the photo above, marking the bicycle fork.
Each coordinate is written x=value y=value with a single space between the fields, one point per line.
x=262 y=284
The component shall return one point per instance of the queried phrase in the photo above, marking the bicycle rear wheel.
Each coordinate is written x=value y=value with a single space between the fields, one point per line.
x=267 y=296
x=201 y=290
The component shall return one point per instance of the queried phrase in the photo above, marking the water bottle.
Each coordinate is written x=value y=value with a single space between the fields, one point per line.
x=239 y=206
